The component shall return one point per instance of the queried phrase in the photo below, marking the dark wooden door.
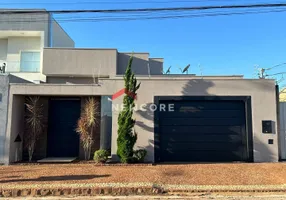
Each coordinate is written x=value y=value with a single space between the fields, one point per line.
x=63 y=141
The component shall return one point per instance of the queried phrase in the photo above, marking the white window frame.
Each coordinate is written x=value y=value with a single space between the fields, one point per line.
x=30 y=51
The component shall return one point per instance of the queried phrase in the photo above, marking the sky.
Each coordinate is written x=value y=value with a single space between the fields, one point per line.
x=220 y=45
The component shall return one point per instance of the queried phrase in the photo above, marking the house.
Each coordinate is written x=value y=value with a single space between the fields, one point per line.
x=179 y=118
x=282 y=95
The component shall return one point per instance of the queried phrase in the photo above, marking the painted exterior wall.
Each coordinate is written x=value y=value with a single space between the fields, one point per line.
x=3 y=49
x=139 y=65
x=18 y=44
x=283 y=130
x=262 y=92
x=4 y=101
x=26 y=22
x=79 y=62
x=106 y=123
x=4 y=91
x=263 y=103
x=59 y=37
x=156 y=66
x=98 y=62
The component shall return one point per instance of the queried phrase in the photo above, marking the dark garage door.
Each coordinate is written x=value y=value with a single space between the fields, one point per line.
x=203 y=131
x=63 y=141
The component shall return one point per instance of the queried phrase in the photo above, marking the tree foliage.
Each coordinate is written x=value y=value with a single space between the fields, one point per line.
x=126 y=134
x=35 y=123
x=87 y=123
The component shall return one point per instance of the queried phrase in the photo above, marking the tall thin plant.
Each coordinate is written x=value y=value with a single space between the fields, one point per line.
x=87 y=123
x=35 y=123
x=127 y=136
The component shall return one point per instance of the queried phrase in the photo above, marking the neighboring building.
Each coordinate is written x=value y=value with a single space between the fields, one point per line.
x=214 y=118
x=282 y=95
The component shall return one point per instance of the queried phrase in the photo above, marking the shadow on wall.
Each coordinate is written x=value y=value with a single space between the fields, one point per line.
x=139 y=65
x=191 y=88
x=262 y=150
x=106 y=124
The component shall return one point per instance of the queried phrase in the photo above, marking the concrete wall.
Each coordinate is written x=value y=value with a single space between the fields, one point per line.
x=18 y=44
x=156 y=66
x=282 y=130
x=4 y=100
x=27 y=22
x=262 y=92
x=139 y=65
x=106 y=123
x=4 y=90
x=3 y=49
x=263 y=104
x=59 y=37
x=79 y=62
x=142 y=64
x=15 y=126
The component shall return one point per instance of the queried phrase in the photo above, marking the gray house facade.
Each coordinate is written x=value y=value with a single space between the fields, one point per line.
x=179 y=118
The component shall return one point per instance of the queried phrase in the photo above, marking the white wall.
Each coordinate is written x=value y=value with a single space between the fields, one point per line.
x=59 y=37
x=3 y=49
x=14 y=47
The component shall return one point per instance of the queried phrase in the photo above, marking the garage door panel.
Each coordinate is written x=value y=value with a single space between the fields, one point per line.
x=205 y=105
x=202 y=146
x=201 y=138
x=202 y=156
x=202 y=114
x=202 y=121
x=204 y=130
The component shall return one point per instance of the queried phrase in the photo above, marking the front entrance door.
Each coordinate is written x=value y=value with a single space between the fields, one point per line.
x=63 y=141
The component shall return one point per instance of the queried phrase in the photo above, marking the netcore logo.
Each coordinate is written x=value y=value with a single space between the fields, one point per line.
x=145 y=107
x=139 y=107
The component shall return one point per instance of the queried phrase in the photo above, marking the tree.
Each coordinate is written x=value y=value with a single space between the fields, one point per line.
x=87 y=124
x=35 y=123
x=126 y=134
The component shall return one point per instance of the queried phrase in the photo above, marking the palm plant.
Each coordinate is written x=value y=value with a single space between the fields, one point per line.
x=35 y=123
x=87 y=124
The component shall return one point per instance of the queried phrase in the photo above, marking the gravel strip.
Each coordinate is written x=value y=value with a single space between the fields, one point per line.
x=184 y=175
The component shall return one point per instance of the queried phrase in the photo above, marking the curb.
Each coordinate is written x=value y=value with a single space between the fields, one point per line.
x=79 y=191
x=120 y=191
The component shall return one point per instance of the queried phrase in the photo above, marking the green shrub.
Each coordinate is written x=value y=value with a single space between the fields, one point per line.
x=100 y=156
x=140 y=155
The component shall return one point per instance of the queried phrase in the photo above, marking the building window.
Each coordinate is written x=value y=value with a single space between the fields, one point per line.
x=30 y=61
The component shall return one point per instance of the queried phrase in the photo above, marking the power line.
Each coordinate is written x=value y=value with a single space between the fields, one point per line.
x=146 y=9
x=276 y=66
x=110 y=18
x=115 y=2
x=276 y=74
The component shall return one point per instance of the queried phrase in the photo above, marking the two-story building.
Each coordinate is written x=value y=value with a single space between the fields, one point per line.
x=213 y=118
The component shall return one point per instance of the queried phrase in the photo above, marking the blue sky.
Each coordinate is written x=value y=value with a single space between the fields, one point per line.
x=222 y=45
